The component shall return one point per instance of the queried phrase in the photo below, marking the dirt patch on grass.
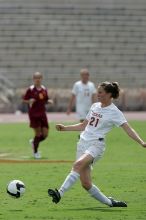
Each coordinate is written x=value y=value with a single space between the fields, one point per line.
x=34 y=161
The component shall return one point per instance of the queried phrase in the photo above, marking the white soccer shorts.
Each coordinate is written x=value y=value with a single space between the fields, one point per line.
x=94 y=148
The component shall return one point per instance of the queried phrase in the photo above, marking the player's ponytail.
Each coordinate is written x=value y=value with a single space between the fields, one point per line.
x=116 y=90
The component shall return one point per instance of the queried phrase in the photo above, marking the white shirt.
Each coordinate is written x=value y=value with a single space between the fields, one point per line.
x=83 y=93
x=101 y=121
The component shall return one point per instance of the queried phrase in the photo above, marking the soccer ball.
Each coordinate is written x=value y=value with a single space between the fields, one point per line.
x=16 y=188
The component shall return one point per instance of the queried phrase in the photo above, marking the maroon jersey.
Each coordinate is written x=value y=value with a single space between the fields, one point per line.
x=41 y=98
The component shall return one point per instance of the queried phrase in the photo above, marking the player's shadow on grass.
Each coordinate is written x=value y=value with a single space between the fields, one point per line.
x=101 y=209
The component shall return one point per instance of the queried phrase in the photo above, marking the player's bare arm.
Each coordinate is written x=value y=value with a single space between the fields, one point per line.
x=71 y=103
x=50 y=101
x=76 y=127
x=133 y=134
x=29 y=101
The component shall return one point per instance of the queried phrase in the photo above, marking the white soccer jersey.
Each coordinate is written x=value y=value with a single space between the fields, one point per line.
x=83 y=93
x=101 y=121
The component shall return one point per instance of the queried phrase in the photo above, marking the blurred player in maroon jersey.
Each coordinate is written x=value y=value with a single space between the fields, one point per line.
x=36 y=96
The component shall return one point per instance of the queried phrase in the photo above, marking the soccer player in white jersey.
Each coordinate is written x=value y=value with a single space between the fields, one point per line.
x=101 y=118
x=83 y=95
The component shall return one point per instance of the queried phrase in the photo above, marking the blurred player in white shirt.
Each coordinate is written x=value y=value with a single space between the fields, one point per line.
x=102 y=117
x=83 y=95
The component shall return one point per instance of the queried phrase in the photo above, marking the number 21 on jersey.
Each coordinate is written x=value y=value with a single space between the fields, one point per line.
x=94 y=121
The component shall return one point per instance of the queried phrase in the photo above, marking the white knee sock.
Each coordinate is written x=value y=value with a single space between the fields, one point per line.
x=69 y=181
x=98 y=195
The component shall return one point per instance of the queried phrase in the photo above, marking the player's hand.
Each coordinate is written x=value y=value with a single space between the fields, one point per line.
x=60 y=127
x=31 y=101
x=50 y=101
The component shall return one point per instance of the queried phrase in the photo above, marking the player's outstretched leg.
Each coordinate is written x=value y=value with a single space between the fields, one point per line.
x=95 y=192
x=67 y=184
x=55 y=195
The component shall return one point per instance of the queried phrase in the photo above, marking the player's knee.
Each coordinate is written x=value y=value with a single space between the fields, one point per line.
x=45 y=136
x=77 y=166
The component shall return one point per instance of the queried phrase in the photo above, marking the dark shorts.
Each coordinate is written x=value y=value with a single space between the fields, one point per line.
x=38 y=121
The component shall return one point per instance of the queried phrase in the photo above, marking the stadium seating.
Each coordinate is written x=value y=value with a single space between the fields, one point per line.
x=59 y=37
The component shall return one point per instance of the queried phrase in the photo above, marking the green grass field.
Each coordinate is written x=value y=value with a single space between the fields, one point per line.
x=121 y=174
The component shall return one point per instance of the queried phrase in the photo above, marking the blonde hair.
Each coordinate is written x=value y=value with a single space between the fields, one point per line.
x=84 y=71
x=37 y=74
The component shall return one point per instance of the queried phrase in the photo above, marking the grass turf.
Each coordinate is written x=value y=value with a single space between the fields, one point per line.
x=121 y=174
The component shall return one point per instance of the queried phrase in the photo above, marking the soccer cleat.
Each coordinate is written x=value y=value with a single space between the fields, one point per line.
x=37 y=155
x=116 y=203
x=55 y=195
